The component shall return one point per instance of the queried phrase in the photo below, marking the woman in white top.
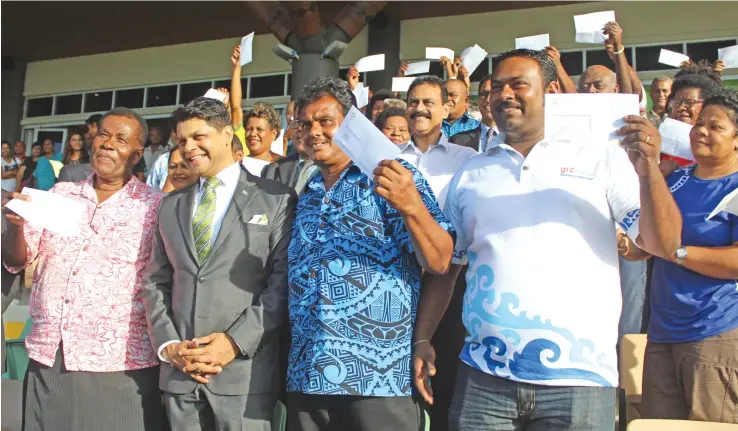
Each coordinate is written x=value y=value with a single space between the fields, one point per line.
x=10 y=166
x=262 y=128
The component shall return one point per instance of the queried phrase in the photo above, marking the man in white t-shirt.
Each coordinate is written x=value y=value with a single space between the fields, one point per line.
x=10 y=167
x=535 y=218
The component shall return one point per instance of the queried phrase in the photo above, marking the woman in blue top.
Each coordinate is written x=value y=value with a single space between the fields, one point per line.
x=44 y=173
x=691 y=364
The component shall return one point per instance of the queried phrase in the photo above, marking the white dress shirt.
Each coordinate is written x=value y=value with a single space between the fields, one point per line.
x=543 y=295
x=438 y=165
x=223 y=195
x=254 y=166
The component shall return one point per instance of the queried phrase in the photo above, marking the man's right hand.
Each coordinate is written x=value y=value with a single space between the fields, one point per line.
x=10 y=216
x=199 y=372
x=401 y=71
x=424 y=358
x=553 y=54
x=353 y=77
x=236 y=56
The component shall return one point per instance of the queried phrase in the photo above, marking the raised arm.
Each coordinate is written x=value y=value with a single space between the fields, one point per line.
x=236 y=91
x=565 y=81
x=627 y=79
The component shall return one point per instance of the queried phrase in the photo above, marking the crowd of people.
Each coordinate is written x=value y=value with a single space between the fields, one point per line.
x=485 y=275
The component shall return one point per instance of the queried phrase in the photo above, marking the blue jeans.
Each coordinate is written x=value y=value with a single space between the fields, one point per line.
x=483 y=402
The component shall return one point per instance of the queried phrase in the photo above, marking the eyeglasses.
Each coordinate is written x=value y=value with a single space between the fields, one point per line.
x=688 y=103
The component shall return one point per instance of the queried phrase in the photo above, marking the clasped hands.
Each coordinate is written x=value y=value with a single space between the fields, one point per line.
x=203 y=357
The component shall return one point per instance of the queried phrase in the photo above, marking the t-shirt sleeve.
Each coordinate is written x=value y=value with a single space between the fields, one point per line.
x=453 y=211
x=623 y=191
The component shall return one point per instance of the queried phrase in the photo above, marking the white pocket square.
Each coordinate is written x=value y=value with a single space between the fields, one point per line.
x=260 y=219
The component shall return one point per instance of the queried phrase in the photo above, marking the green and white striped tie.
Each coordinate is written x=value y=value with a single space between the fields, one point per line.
x=202 y=223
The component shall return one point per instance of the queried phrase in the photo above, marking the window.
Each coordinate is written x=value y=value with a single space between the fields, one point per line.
x=96 y=102
x=188 y=92
x=71 y=104
x=599 y=57
x=573 y=62
x=647 y=57
x=481 y=71
x=707 y=50
x=40 y=107
x=266 y=86
x=161 y=96
x=436 y=69
x=130 y=98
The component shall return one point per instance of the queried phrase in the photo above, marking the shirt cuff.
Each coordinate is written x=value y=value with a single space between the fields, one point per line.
x=161 y=348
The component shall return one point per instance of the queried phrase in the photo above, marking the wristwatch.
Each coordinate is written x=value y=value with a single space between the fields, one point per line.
x=681 y=253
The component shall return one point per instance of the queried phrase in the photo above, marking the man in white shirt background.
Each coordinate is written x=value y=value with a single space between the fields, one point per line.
x=536 y=219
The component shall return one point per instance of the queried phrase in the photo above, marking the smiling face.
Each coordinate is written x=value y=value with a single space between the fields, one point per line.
x=76 y=142
x=660 y=91
x=48 y=147
x=6 y=150
x=395 y=128
x=458 y=98
x=714 y=137
x=259 y=136
x=485 y=108
x=425 y=110
x=319 y=122
x=686 y=105
x=36 y=151
x=179 y=173
x=19 y=149
x=117 y=148
x=206 y=149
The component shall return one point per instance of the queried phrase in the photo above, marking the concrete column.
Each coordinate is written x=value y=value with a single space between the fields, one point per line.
x=384 y=38
x=13 y=80
x=308 y=68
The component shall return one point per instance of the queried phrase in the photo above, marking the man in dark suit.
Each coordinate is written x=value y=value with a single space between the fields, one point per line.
x=74 y=173
x=293 y=171
x=481 y=136
x=216 y=290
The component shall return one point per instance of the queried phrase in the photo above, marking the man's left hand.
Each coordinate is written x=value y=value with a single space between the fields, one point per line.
x=396 y=185
x=216 y=349
x=614 y=34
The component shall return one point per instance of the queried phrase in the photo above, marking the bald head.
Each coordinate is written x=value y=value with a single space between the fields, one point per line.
x=458 y=98
x=598 y=79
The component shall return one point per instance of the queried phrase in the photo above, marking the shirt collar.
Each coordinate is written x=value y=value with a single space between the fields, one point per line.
x=442 y=143
x=87 y=189
x=228 y=176
x=316 y=183
x=463 y=119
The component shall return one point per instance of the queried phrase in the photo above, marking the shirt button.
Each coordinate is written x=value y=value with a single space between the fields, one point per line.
x=84 y=248
x=313 y=307
x=75 y=272
x=322 y=225
x=200 y=279
x=66 y=301
x=326 y=200
x=313 y=274
x=525 y=168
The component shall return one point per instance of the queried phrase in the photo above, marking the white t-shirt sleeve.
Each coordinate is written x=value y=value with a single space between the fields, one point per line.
x=453 y=212
x=623 y=191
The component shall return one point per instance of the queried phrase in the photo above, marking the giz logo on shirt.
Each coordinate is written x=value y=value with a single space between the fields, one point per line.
x=565 y=170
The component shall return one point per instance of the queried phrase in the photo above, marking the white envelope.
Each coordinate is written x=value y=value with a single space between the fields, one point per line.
x=418 y=68
x=434 y=53
x=402 y=84
x=729 y=204
x=370 y=63
x=592 y=117
x=535 y=43
x=51 y=211
x=473 y=58
x=589 y=26
x=729 y=55
x=362 y=95
x=363 y=142
x=247 y=43
x=672 y=58
x=675 y=138
x=217 y=95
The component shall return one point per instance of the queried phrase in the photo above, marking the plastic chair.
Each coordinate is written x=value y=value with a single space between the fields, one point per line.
x=17 y=356
x=279 y=417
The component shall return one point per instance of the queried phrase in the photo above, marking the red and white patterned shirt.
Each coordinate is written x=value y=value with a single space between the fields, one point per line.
x=87 y=290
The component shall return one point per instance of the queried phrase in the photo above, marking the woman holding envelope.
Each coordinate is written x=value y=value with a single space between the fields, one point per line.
x=691 y=364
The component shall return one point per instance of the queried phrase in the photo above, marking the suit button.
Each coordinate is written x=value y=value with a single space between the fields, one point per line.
x=200 y=279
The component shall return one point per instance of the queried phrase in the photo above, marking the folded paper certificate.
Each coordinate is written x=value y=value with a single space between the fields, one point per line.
x=247 y=43
x=535 y=43
x=362 y=95
x=593 y=117
x=675 y=138
x=51 y=211
x=434 y=53
x=672 y=58
x=417 y=68
x=217 y=95
x=402 y=84
x=729 y=55
x=370 y=63
x=363 y=142
x=472 y=58
x=589 y=27
x=728 y=204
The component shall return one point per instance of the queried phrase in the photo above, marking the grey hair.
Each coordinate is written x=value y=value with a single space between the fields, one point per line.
x=143 y=134
x=327 y=86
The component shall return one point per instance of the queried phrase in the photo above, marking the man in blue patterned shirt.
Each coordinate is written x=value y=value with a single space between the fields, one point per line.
x=358 y=248
x=458 y=120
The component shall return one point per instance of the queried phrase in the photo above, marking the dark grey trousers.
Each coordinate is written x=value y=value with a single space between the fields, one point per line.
x=59 y=400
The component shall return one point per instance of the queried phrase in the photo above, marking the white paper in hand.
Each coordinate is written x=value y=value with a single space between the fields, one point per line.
x=363 y=142
x=473 y=58
x=675 y=138
x=589 y=26
x=729 y=55
x=217 y=95
x=434 y=53
x=672 y=58
x=362 y=95
x=418 y=68
x=536 y=43
x=402 y=84
x=728 y=204
x=247 y=43
x=50 y=211
x=370 y=63
x=593 y=117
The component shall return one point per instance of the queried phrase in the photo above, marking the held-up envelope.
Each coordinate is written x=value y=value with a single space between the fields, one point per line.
x=402 y=84
x=473 y=58
x=536 y=43
x=435 y=53
x=50 y=211
x=370 y=63
x=729 y=55
x=418 y=68
x=589 y=27
x=363 y=142
x=728 y=204
x=217 y=95
x=247 y=43
x=675 y=139
x=362 y=95
x=672 y=58
x=592 y=117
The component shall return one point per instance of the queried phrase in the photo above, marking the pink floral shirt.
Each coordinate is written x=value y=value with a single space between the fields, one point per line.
x=87 y=289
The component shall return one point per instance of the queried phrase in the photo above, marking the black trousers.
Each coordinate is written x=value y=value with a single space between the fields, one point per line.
x=355 y=413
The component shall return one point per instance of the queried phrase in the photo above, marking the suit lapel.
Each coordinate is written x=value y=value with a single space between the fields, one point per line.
x=185 y=207
x=241 y=197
